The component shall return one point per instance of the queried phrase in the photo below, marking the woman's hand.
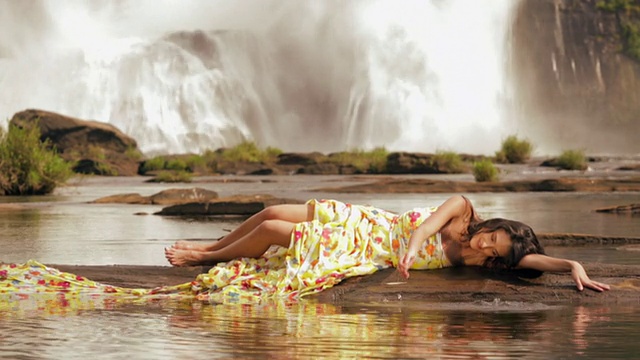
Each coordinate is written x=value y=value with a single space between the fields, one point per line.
x=455 y=206
x=405 y=263
x=579 y=275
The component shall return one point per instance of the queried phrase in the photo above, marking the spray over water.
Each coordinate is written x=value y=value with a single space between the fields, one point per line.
x=299 y=75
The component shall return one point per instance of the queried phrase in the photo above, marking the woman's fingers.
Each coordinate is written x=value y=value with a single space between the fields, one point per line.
x=405 y=265
x=582 y=280
x=404 y=273
x=598 y=286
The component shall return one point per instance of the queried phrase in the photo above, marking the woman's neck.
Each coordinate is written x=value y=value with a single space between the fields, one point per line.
x=471 y=257
x=459 y=253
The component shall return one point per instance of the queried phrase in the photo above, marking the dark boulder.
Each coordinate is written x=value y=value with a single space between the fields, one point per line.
x=245 y=205
x=410 y=163
x=165 y=197
x=96 y=147
x=632 y=209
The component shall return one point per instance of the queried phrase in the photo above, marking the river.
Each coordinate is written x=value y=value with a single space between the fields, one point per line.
x=65 y=228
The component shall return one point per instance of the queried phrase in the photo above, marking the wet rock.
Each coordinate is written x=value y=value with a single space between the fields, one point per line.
x=569 y=239
x=410 y=163
x=320 y=169
x=633 y=209
x=165 y=197
x=182 y=196
x=395 y=185
x=302 y=159
x=242 y=205
x=131 y=198
x=553 y=185
x=634 y=167
x=453 y=285
x=476 y=284
x=555 y=163
x=634 y=247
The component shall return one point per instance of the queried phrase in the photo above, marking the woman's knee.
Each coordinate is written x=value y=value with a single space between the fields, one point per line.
x=273 y=212
x=274 y=226
x=276 y=231
x=286 y=212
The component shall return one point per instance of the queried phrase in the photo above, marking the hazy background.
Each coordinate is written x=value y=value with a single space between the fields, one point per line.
x=299 y=75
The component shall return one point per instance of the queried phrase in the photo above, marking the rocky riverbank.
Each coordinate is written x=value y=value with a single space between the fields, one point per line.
x=101 y=149
x=447 y=285
x=387 y=286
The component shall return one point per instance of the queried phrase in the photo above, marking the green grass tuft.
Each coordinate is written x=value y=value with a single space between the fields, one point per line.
x=374 y=161
x=485 y=171
x=514 y=151
x=249 y=152
x=29 y=166
x=572 y=160
x=447 y=162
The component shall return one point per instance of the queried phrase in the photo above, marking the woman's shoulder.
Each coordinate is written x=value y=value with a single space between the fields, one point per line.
x=456 y=205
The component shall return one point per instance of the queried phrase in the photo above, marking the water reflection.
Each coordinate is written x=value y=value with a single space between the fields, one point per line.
x=79 y=328
x=69 y=231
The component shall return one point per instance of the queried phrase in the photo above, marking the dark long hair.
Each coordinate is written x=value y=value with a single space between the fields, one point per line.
x=523 y=242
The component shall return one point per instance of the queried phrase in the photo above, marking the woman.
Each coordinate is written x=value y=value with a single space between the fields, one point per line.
x=322 y=242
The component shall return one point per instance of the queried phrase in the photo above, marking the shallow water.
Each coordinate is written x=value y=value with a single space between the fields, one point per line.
x=170 y=330
x=65 y=229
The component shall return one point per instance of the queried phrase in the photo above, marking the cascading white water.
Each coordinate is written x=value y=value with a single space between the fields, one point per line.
x=299 y=75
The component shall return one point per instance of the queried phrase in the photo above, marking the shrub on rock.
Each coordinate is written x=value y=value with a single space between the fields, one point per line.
x=485 y=171
x=514 y=151
x=29 y=166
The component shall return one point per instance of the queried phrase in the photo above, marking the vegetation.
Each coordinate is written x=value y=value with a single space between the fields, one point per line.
x=514 y=150
x=630 y=29
x=177 y=165
x=246 y=152
x=106 y=169
x=447 y=162
x=618 y=5
x=249 y=152
x=485 y=171
x=27 y=165
x=572 y=160
x=133 y=153
x=153 y=164
x=374 y=161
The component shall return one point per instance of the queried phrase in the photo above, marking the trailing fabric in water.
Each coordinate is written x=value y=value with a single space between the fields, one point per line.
x=341 y=241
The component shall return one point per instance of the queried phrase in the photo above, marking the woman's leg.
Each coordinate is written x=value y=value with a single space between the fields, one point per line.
x=293 y=213
x=253 y=244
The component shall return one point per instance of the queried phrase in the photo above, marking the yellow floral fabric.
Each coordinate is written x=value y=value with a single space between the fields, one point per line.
x=342 y=240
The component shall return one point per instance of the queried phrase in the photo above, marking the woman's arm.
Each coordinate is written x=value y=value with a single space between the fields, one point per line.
x=454 y=206
x=548 y=263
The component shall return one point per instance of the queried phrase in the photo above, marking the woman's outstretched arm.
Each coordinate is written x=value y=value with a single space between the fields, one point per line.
x=551 y=264
x=454 y=206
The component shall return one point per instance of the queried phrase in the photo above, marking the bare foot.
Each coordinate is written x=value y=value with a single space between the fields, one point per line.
x=178 y=257
x=193 y=245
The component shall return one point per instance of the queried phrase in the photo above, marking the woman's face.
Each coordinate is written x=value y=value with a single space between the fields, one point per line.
x=492 y=244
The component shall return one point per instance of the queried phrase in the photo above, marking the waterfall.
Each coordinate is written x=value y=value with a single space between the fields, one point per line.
x=326 y=76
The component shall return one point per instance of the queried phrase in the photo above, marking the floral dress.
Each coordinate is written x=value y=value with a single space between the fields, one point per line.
x=341 y=241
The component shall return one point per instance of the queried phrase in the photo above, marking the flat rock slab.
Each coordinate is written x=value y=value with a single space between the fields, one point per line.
x=631 y=209
x=165 y=197
x=445 y=285
x=566 y=184
x=476 y=284
x=240 y=205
